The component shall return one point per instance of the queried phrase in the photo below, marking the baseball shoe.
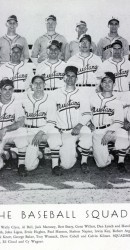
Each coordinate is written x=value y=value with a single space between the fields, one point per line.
x=22 y=171
x=84 y=168
x=121 y=167
x=57 y=171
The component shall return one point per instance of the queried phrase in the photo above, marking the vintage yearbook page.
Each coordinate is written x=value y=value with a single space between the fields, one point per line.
x=64 y=124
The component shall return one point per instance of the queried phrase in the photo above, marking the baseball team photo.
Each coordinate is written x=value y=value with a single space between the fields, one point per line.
x=64 y=102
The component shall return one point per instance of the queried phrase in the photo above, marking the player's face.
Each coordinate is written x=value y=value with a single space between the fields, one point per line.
x=53 y=52
x=117 y=51
x=84 y=45
x=6 y=93
x=81 y=29
x=51 y=25
x=113 y=26
x=12 y=25
x=107 y=85
x=16 y=55
x=38 y=85
x=70 y=78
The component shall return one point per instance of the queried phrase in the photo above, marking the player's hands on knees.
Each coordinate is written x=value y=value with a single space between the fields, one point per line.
x=2 y=133
x=91 y=126
x=38 y=138
x=109 y=136
x=126 y=125
x=76 y=129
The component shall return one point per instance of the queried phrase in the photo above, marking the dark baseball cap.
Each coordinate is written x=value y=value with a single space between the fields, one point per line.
x=110 y=75
x=85 y=36
x=6 y=82
x=12 y=17
x=71 y=69
x=17 y=45
x=81 y=23
x=51 y=17
x=56 y=43
x=113 y=19
x=117 y=42
x=38 y=76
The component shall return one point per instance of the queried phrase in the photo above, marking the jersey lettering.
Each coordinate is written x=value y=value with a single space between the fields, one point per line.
x=104 y=110
x=68 y=105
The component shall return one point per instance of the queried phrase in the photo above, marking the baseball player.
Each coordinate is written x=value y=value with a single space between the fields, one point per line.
x=38 y=130
x=11 y=122
x=11 y=38
x=39 y=52
x=72 y=113
x=73 y=46
x=108 y=120
x=20 y=72
x=89 y=65
x=52 y=68
x=120 y=67
x=104 y=45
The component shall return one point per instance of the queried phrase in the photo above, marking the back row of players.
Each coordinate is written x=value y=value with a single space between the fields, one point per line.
x=60 y=116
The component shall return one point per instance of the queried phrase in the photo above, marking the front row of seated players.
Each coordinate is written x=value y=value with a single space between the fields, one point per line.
x=61 y=121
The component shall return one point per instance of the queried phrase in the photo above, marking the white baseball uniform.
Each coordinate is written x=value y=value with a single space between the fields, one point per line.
x=40 y=46
x=71 y=108
x=89 y=69
x=53 y=73
x=37 y=114
x=107 y=115
x=104 y=46
x=5 y=47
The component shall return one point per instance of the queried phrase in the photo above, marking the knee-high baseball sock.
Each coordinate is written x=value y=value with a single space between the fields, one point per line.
x=21 y=157
x=84 y=153
x=54 y=157
x=42 y=146
x=121 y=154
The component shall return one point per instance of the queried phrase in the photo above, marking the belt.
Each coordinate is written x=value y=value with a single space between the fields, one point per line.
x=85 y=85
x=62 y=129
x=102 y=127
x=30 y=126
x=19 y=90
x=50 y=88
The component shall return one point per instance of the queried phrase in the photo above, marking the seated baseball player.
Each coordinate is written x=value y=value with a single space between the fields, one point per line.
x=72 y=113
x=20 y=72
x=89 y=65
x=107 y=120
x=11 y=123
x=52 y=68
x=38 y=131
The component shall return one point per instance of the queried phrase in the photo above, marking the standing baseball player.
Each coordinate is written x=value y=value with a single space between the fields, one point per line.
x=38 y=128
x=20 y=72
x=11 y=123
x=73 y=46
x=108 y=120
x=120 y=67
x=52 y=68
x=39 y=52
x=104 y=45
x=72 y=113
x=11 y=38
x=89 y=65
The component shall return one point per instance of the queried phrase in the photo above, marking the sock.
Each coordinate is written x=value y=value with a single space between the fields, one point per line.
x=84 y=159
x=84 y=153
x=42 y=146
x=121 y=154
x=55 y=158
x=21 y=158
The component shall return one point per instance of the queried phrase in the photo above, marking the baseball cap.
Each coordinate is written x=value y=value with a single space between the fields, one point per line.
x=17 y=45
x=117 y=42
x=113 y=19
x=85 y=36
x=38 y=76
x=81 y=23
x=54 y=42
x=72 y=69
x=6 y=82
x=12 y=17
x=110 y=75
x=51 y=17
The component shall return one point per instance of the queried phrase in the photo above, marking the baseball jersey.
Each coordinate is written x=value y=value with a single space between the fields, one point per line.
x=104 y=46
x=121 y=70
x=71 y=108
x=21 y=74
x=73 y=48
x=36 y=111
x=89 y=68
x=106 y=111
x=40 y=46
x=53 y=73
x=5 y=47
x=10 y=112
